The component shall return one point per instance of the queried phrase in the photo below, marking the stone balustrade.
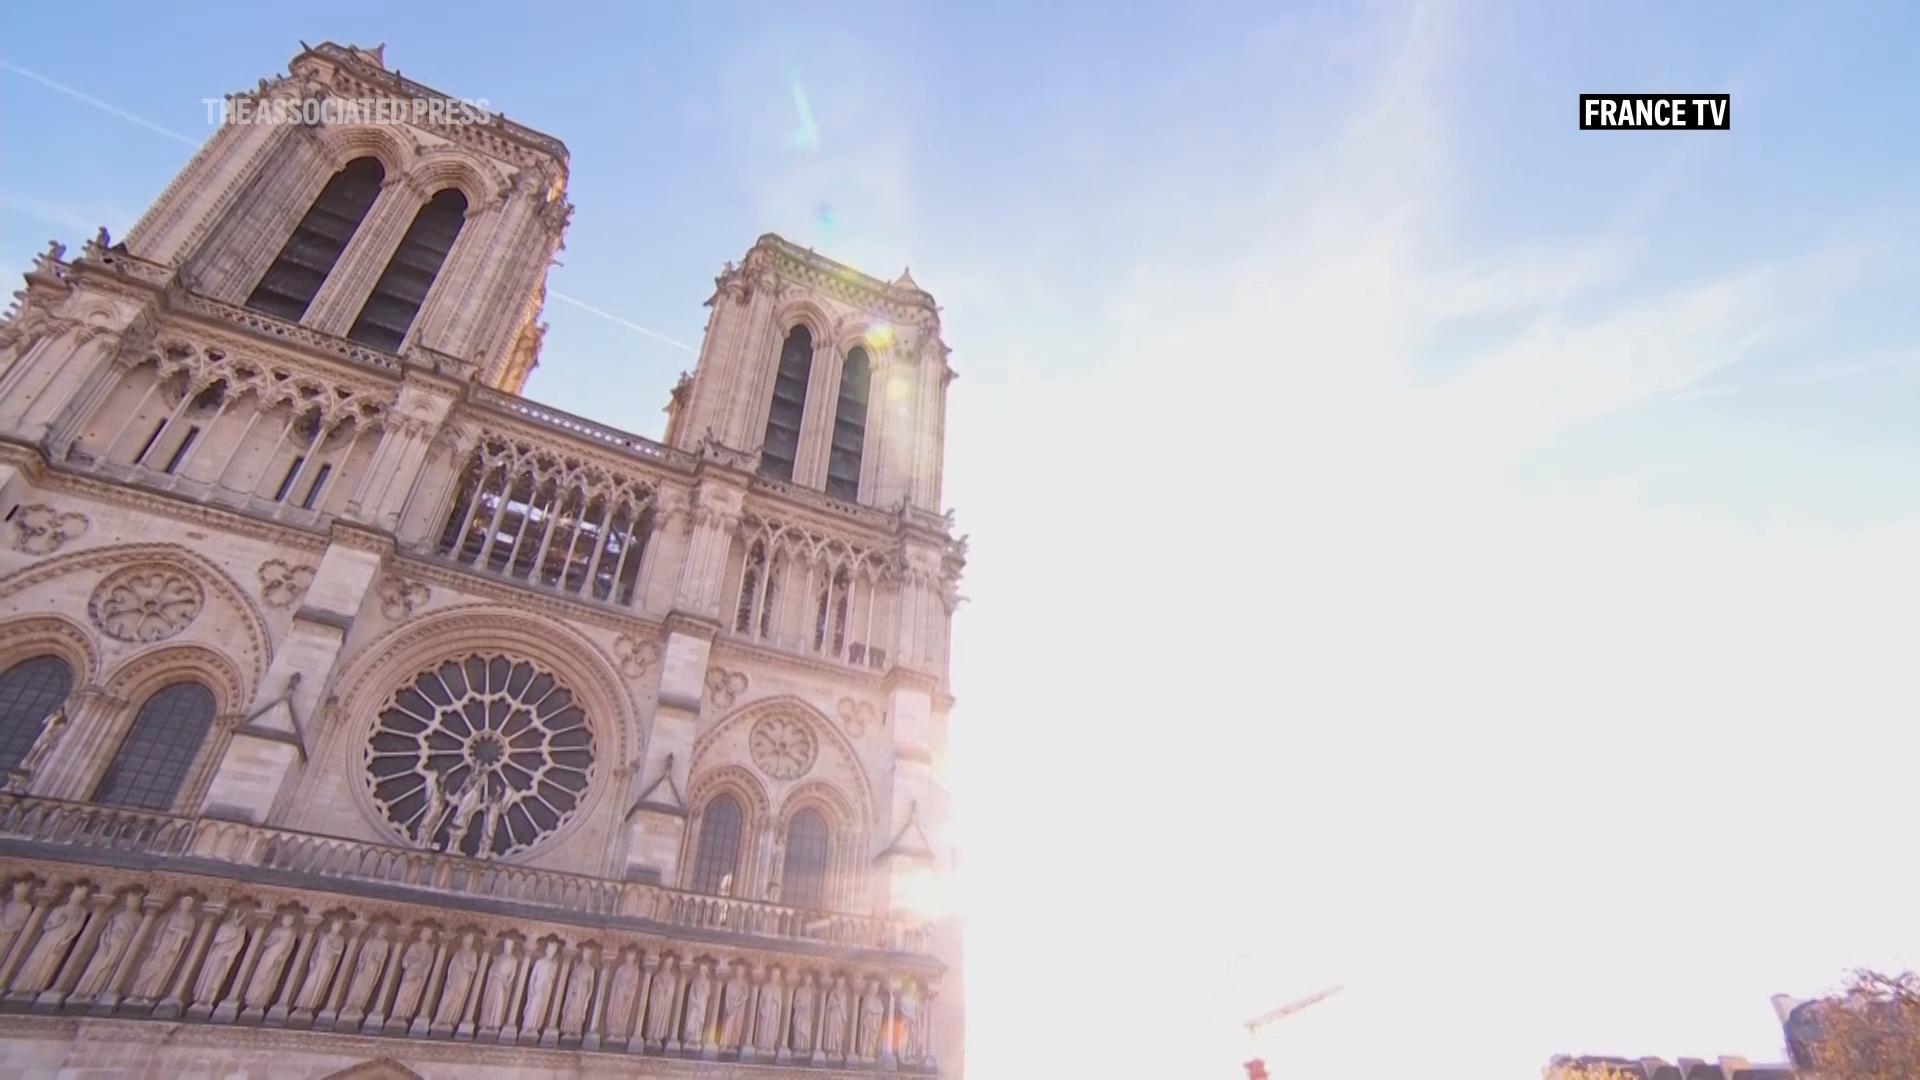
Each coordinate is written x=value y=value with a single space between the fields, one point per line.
x=175 y=945
x=232 y=848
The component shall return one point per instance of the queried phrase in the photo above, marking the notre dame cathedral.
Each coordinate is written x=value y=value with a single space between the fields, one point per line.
x=361 y=717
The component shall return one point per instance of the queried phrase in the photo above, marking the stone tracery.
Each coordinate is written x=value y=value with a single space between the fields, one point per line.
x=484 y=755
x=145 y=603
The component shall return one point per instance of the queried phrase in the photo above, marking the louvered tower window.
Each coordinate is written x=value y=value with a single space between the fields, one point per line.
x=403 y=286
x=849 y=428
x=782 y=442
x=296 y=275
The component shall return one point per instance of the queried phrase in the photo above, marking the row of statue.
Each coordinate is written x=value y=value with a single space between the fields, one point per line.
x=131 y=953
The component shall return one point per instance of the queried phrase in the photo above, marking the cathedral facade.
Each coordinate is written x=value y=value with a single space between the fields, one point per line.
x=361 y=716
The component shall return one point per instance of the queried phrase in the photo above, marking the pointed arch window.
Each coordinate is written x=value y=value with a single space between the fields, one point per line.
x=403 y=286
x=803 y=878
x=717 y=861
x=152 y=762
x=302 y=266
x=782 y=442
x=29 y=692
x=849 y=427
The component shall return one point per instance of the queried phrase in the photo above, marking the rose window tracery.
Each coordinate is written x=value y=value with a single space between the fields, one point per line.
x=145 y=603
x=783 y=747
x=484 y=756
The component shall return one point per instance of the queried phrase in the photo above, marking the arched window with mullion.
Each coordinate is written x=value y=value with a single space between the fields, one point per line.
x=716 y=861
x=390 y=310
x=849 y=427
x=151 y=765
x=803 y=877
x=29 y=693
x=296 y=274
x=781 y=444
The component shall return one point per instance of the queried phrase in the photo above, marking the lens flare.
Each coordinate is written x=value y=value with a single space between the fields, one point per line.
x=879 y=336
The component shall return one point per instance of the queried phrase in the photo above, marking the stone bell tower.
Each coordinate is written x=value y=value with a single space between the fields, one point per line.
x=356 y=711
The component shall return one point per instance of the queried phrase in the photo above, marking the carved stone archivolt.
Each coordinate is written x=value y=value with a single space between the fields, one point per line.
x=42 y=530
x=168 y=948
x=146 y=603
x=484 y=755
x=282 y=584
x=783 y=746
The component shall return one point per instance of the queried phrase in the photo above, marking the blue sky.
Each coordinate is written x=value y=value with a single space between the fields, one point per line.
x=1417 y=545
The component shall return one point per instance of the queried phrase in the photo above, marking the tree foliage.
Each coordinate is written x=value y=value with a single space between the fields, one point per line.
x=1868 y=1031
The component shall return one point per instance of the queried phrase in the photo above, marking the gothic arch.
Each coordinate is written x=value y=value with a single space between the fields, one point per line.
x=255 y=643
x=343 y=144
x=380 y=666
x=725 y=737
x=51 y=635
x=824 y=797
x=802 y=311
x=445 y=166
x=137 y=677
x=739 y=781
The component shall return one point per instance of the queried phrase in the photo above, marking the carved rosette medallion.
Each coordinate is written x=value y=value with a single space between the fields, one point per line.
x=145 y=603
x=484 y=755
x=783 y=747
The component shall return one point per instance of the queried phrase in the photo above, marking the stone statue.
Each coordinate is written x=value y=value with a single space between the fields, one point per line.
x=62 y=925
x=110 y=947
x=573 y=1010
x=321 y=964
x=873 y=1009
x=906 y=1009
x=227 y=940
x=620 y=995
x=15 y=913
x=50 y=732
x=168 y=943
x=436 y=811
x=660 y=1004
x=499 y=990
x=464 y=810
x=766 y=1019
x=366 y=970
x=416 y=963
x=733 y=1009
x=540 y=977
x=833 y=1031
x=803 y=1014
x=491 y=811
x=693 y=1029
x=273 y=958
x=457 y=982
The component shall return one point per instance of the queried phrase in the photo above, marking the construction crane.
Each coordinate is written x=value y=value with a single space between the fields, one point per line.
x=1257 y=1068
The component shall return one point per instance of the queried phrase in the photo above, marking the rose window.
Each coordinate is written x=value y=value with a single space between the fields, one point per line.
x=782 y=746
x=483 y=756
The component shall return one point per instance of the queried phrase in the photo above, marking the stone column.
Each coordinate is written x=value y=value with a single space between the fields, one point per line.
x=344 y=293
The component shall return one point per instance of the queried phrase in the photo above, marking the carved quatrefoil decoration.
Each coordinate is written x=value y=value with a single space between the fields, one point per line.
x=783 y=747
x=145 y=603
